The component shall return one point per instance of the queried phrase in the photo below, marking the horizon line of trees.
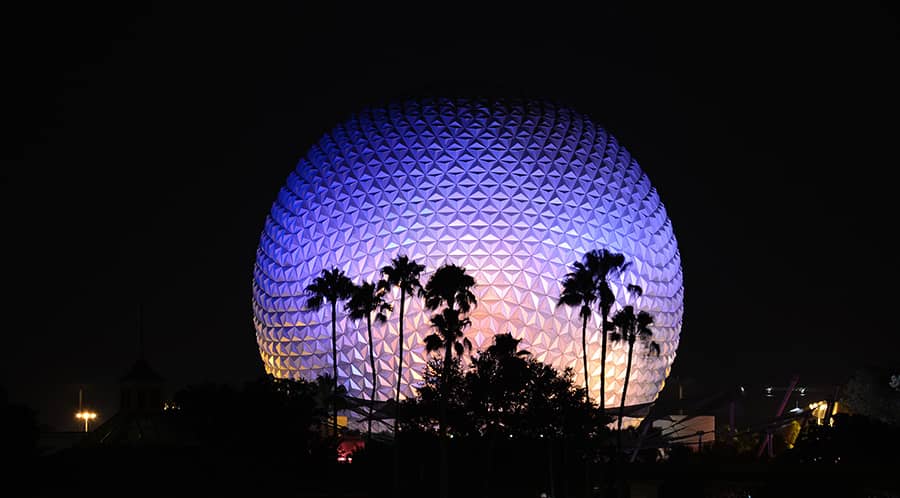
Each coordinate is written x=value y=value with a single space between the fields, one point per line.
x=448 y=293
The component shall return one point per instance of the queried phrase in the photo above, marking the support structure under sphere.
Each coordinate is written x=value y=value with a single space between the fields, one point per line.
x=514 y=191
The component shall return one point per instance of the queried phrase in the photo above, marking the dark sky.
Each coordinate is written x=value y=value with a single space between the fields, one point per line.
x=146 y=145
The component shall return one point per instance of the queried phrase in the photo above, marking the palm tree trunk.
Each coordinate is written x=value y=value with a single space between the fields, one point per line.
x=374 y=377
x=334 y=367
x=396 y=476
x=603 y=364
x=399 y=363
x=587 y=388
x=584 y=355
x=624 y=393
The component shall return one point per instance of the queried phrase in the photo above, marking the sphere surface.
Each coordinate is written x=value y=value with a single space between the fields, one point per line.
x=513 y=191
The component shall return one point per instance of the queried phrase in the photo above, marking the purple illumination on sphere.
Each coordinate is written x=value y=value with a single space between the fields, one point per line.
x=514 y=191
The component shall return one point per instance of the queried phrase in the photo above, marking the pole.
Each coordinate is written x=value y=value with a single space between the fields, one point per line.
x=81 y=407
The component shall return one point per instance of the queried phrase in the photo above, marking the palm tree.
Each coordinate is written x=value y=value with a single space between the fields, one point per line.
x=504 y=369
x=579 y=290
x=449 y=336
x=404 y=274
x=630 y=327
x=586 y=284
x=449 y=325
x=603 y=265
x=331 y=286
x=365 y=300
x=506 y=346
x=449 y=286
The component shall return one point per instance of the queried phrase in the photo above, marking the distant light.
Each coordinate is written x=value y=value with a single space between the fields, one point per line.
x=87 y=417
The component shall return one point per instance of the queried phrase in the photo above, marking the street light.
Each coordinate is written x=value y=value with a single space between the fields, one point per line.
x=86 y=416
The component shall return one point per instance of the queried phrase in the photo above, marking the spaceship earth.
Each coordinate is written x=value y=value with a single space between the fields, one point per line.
x=514 y=191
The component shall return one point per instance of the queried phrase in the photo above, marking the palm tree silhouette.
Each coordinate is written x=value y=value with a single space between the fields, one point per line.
x=404 y=274
x=366 y=299
x=629 y=327
x=449 y=325
x=588 y=282
x=449 y=286
x=449 y=336
x=579 y=290
x=506 y=346
x=331 y=286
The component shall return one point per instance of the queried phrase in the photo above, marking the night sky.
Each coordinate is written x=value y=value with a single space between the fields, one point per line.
x=144 y=148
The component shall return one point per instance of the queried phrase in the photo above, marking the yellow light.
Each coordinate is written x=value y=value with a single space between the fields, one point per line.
x=86 y=416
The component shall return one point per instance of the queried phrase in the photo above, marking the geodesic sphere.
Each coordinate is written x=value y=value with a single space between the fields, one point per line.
x=513 y=191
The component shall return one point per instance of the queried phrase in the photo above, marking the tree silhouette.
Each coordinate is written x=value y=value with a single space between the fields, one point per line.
x=603 y=265
x=449 y=286
x=508 y=403
x=404 y=274
x=331 y=286
x=587 y=283
x=265 y=416
x=579 y=290
x=366 y=299
x=629 y=327
x=449 y=336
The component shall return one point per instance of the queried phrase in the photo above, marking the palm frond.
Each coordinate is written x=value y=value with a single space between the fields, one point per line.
x=433 y=342
x=315 y=301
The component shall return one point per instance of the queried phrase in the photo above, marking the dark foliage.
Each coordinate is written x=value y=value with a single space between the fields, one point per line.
x=507 y=394
x=270 y=416
x=508 y=414
x=852 y=440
